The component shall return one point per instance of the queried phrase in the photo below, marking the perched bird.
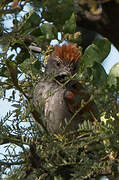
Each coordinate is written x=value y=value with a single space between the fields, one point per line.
x=58 y=95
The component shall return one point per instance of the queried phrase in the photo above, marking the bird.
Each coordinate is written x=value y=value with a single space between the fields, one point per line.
x=59 y=95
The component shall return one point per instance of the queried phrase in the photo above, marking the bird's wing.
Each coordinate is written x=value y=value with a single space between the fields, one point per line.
x=38 y=94
x=78 y=100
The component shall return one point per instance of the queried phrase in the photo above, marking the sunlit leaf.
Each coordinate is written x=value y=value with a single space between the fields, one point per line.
x=113 y=78
x=58 y=178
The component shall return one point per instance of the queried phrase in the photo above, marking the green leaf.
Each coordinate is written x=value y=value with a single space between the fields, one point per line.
x=25 y=66
x=57 y=11
x=99 y=74
x=96 y=52
x=30 y=21
x=36 y=32
x=40 y=39
x=12 y=69
x=37 y=65
x=16 y=105
x=1 y=92
x=4 y=71
x=49 y=31
x=22 y=56
x=11 y=57
x=70 y=25
x=113 y=78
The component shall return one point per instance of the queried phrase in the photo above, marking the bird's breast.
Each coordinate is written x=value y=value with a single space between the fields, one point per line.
x=49 y=96
x=55 y=109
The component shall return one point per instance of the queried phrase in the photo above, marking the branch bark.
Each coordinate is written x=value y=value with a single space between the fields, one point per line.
x=108 y=25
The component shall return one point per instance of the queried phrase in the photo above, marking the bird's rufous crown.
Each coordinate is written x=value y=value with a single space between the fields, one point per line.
x=67 y=53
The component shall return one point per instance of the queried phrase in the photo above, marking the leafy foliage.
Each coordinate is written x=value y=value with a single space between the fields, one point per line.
x=96 y=52
x=31 y=153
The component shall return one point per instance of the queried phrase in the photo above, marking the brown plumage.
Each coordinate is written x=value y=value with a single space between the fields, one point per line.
x=67 y=53
x=59 y=101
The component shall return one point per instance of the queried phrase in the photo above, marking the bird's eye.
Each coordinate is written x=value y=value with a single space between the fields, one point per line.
x=58 y=64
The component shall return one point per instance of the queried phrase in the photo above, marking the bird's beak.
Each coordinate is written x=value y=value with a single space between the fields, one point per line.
x=63 y=77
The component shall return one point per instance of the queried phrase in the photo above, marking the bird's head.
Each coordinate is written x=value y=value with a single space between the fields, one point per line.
x=63 y=61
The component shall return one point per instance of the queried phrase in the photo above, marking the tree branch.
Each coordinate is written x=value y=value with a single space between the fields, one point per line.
x=107 y=26
x=2 y=163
